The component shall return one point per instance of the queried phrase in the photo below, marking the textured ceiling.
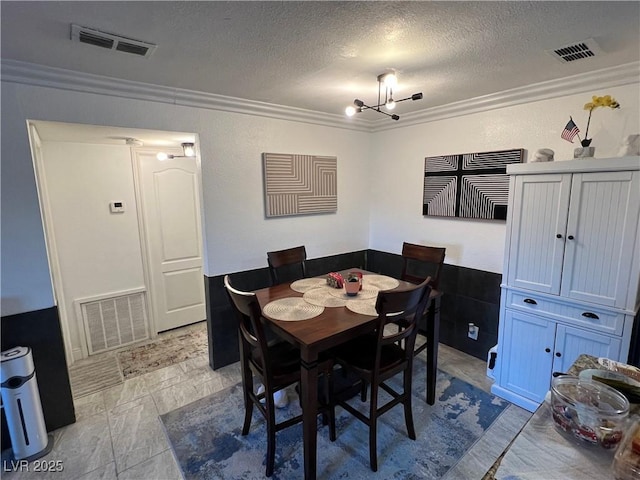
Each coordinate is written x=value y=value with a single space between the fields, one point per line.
x=321 y=55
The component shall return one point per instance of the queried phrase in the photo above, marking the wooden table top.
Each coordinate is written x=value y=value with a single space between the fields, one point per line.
x=327 y=329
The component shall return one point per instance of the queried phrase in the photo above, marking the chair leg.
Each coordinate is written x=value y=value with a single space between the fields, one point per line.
x=408 y=410
x=247 y=386
x=373 y=428
x=248 y=413
x=363 y=391
x=271 y=432
x=330 y=405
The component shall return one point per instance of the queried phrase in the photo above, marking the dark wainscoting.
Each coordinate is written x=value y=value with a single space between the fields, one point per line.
x=41 y=331
x=469 y=296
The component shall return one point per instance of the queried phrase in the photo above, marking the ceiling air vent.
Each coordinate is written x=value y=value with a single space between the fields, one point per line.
x=111 y=41
x=576 y=51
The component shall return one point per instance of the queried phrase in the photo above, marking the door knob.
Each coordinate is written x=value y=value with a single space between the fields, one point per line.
x=548 y=350
x=570 y=237
x=558 y=236
x=558 y=354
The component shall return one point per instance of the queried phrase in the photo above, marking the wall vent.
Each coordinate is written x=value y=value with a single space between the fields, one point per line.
x=114 y=322
x=576 y=51
x=111 y=41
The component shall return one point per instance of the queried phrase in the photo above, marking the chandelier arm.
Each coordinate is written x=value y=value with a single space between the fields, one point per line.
x=408 y=98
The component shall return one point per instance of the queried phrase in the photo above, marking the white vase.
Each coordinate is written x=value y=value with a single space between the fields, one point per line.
x=584 y=152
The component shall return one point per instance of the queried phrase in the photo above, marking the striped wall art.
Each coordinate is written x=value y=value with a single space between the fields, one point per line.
x=468 y=185
x=299 y=184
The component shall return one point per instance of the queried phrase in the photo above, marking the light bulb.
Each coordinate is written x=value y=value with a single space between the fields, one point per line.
x=162 y=156
x=391 y=104
x=189 y=150
x=390 y=80
x=350 y=111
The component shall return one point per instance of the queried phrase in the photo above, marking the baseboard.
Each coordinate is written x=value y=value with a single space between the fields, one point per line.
x=77 y=354
x=514 y=398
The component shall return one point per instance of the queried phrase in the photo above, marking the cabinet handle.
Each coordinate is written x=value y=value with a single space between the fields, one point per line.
x=530 y=301
x=591 y=315
x=558 y=354
x=558 y=236
x=548 y=350
x=570 y=237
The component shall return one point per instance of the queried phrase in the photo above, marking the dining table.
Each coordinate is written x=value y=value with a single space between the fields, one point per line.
x=316 y=317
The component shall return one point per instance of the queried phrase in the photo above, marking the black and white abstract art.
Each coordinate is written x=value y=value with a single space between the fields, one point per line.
x=468 y=185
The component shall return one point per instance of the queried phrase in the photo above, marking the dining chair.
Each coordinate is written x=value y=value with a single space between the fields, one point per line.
x=276 y=364
x=287 y=265
x=375 y=358
x=418 y=263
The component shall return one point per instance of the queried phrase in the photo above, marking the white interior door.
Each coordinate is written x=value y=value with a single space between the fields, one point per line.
x=170 y=197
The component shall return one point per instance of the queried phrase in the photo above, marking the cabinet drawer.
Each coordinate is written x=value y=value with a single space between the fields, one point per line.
x=596 y=319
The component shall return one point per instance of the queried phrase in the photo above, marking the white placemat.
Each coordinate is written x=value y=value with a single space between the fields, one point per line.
x=365 y=293
x=292 y=309
x=380 y=282
x=305 y=284
x=323 y=296
x=363 y=307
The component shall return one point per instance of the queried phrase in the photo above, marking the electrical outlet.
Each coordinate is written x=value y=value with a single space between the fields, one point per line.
x=473 y=331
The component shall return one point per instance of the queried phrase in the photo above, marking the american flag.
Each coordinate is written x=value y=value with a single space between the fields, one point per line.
x=570 y=131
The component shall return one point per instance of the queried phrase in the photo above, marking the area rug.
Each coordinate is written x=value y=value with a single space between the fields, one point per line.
x=162 y=353
x=95 y=375
x=206 y=436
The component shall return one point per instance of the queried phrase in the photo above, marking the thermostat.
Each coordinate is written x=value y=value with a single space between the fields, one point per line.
x=116 y=207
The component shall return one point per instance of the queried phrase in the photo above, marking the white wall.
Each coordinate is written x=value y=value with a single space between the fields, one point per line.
x=236 y=231
x=398 y=162
x=379 y=177
x=98 y=251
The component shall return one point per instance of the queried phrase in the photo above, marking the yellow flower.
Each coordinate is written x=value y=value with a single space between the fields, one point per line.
x=605 y=101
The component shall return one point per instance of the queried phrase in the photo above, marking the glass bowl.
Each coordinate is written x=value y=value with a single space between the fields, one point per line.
x=589 y=411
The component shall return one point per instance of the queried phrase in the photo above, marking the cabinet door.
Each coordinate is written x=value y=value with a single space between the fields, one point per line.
x=601 y=229
x=571 y=342
x=541 y=204
x=527 y=352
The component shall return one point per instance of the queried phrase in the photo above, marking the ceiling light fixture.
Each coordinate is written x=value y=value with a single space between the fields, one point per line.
x=188 y=150
x=388 y=81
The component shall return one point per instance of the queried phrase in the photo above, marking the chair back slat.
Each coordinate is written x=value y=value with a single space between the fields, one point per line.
x=248 y=314
x=409 y=305
x=420 y=261
x=294 y=258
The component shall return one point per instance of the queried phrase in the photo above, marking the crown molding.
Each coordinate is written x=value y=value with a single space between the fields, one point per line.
x=43 y=76
x=610 y=77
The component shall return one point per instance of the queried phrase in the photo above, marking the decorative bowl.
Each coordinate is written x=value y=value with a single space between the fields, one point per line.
x=589 y=411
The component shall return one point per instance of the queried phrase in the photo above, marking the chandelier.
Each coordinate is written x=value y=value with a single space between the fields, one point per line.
x=386 y=82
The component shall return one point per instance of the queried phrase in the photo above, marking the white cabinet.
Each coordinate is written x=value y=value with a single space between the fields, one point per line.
x=571 y=271
x=550 y=347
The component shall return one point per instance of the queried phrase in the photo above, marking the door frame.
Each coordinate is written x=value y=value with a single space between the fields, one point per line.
x=50 y=244
x=66 y=313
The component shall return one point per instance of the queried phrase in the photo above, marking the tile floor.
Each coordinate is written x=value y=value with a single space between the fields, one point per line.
x=118 y=434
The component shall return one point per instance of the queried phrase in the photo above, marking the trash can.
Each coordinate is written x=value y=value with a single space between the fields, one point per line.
x=491 y=361
x=21 y=403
